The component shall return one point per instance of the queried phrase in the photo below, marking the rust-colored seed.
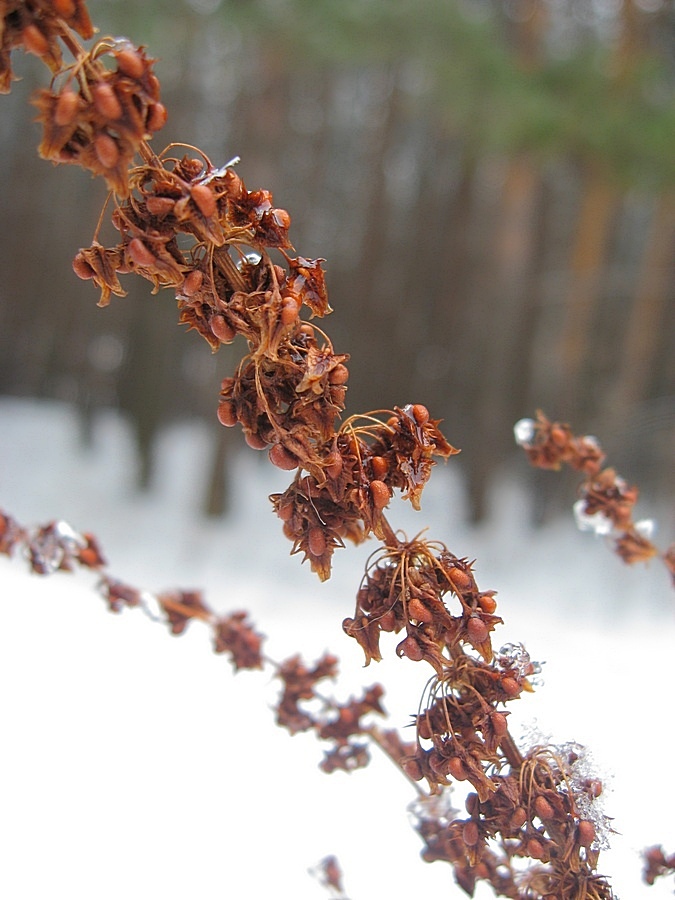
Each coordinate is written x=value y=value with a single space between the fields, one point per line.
x=387 y=621
x=139 y=253
x=227 y=386
x=82 y=268
x=64 y=8
x=285 y=511
x=289 y=310
x=535 y=848
x=518 y=818
x=487 y=603
x=420 y=413
x=461 y=579
x=106 y=102
x=34 y=40
x=499 y=723
x=457 y=769
x=66 y=107
x=159 y=206
x=410 y=648
x=380 y=467
x=106 y=150
x=477 y=630
x=316 y=541
x=130 y=63
x=586 y=832
x=471 y=803
x=255 y=441
x=510 y=686
x=423 y=728
x=193 y=281
x=470 y=833
x=281 y=218
x=339 y=375
x=334 y=464
x=283 y=458
x=204 y=199
x=380 y=494
x=413 y=769
x=418 y=611
x=227 y=413
x=156 y=117
x=543 y=808
x=222 y=329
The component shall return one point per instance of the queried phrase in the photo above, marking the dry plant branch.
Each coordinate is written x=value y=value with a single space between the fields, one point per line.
x=532 y=828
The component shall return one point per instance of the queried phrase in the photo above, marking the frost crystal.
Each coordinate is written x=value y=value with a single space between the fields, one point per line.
x=435 y=807
x=524 y=431
x=646 y=528
x=598 y=522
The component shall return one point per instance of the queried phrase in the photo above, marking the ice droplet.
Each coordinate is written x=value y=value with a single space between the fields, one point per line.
x=524 y=431
x=646 y=528
x=514 y=656
x=598 y=522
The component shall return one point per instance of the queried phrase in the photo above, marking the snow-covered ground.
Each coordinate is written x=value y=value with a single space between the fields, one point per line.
x=134 y=764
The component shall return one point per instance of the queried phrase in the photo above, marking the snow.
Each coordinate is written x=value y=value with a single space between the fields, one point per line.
x=136 y=764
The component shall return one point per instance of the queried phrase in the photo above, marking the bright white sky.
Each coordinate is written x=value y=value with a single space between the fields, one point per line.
x=133 y=764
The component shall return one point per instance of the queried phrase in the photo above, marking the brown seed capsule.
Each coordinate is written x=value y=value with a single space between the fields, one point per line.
x=471 y=803
x=285 y=511
x=510 y=686
x=339 y=375
x=204 y=199
x=586 y=832
x=281 y=218
x=487 y=603
x=419 y=612
x=159 y=206
x=316 y=541
x=34 y=40
x=423 y=728
x=82 y=268
x=106 y=102
x=227 y=413
x=457 y=769
x=290 y=307
x=413 y=769
x=130 y=63
x=518 y=818
x=420 y=413
x=66 y=108
x=387 y=621
x=64 y=8
x=470 y=833
x=283 y=458
x=156 y=117
x=460 y=578
x=543 y=808
x=535 y=848
x=476 y=630
x=227 y=386
x=139 y=254
x=222 y=329
x=255 y=441
x=499 y=723
x=379 y=494
x=107 y=151
x=410 y=648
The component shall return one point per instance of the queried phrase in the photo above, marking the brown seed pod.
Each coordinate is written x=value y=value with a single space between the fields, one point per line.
x=333 y=466
x=457 y=769
x=290 y=307
x=283 y=458
x=543 y=808
x=204 y=199
x=130 y=63
x=418 y=611
x=487 y=603
x=379 y=494
x=410 y=648
x=222 y=329
x=82 y=268
x=460 y=579
x=339 y=375
x=499 y=723
x=282 y=218
x=316 y=541
x=64 y=8
x=380 y=467
x=67 y=106
x=470 y=833
x=586 y=832
x=387 y=621
x=412 y=769
x=518 y=818
x=139 y=254
x=107 y=151
x=477 y=630
x=106 y=102
x=420 y=413
x=227 y=413
x=254 y=440
x=156 y=117
x=510 y=686
x=535 y=848
x=159 y=206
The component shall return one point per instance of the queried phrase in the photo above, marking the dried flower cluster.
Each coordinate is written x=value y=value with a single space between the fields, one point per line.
x=531 y=828
x=606 y=501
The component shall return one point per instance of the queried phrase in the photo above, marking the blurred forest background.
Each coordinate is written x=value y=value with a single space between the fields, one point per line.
x=491 y=183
